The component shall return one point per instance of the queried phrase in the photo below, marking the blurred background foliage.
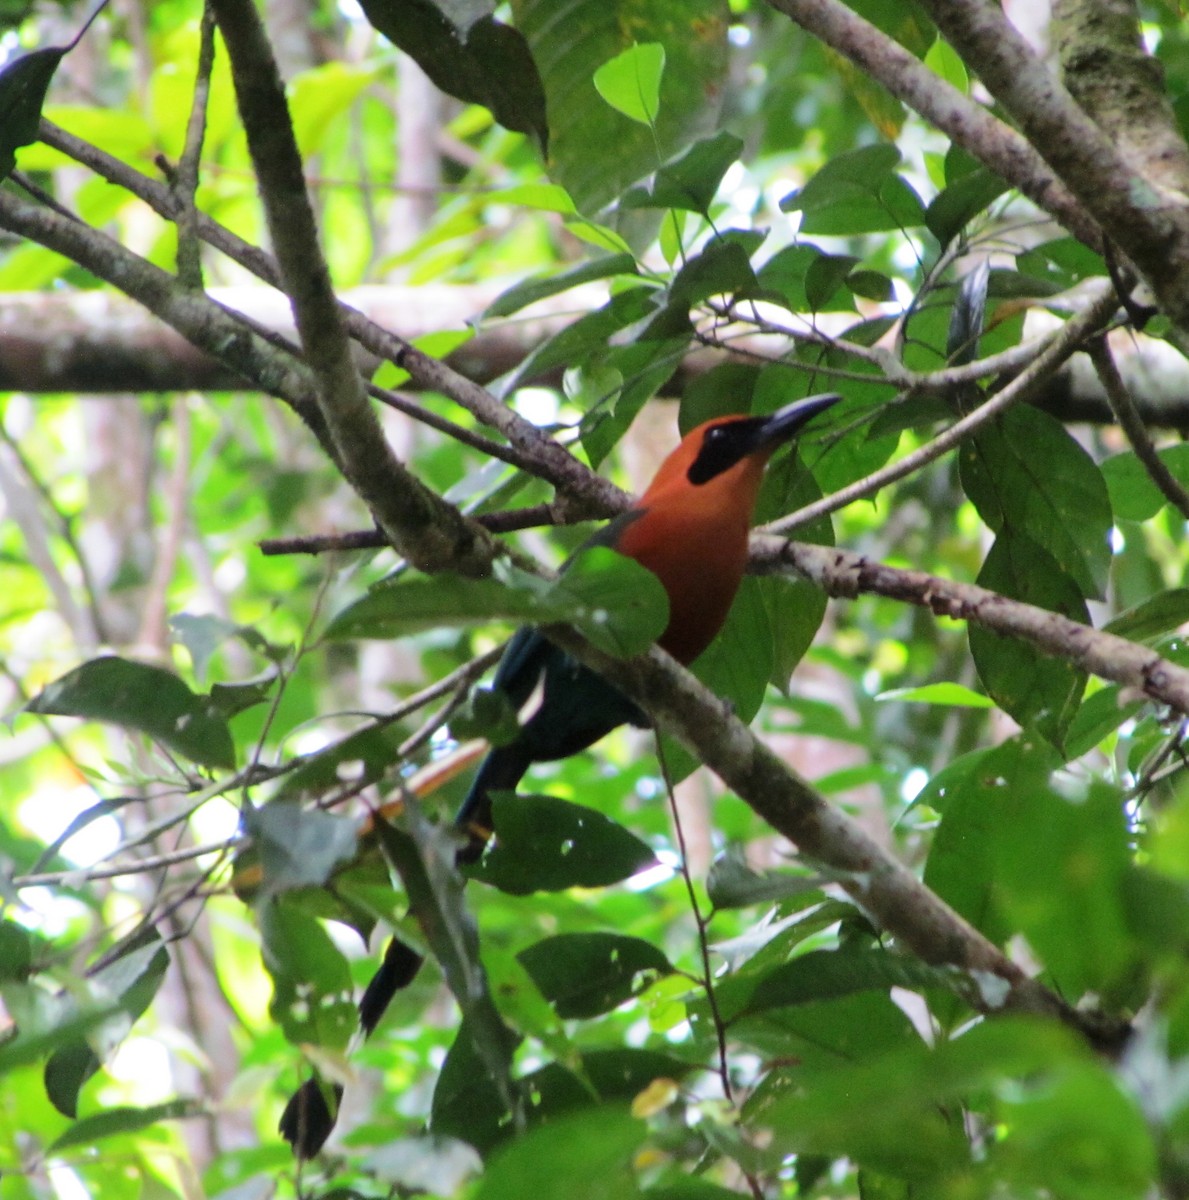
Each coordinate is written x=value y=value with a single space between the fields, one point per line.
x=166 y=990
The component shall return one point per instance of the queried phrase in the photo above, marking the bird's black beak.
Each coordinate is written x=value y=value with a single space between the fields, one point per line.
x=735 y=439
x=785 y=422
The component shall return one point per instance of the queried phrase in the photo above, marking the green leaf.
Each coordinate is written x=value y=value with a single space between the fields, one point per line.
x=1134 y=497
x=733 y=884
x=596 y=152
x=1031 y=687
x=1157 y=615
x=722 y=268
x=785 y=279
x=411 y=604
x=967 y=793
x=631 y=81
x=585 y=974
x=521 y=295
x=313 y=997
x=1046 y=861
x=469 y=55
x=618 y=605
x=857 y=192
x=143 y=697
x=128 y=982
x=299 y=847
x=827 y=273
x=1025 y=472
x=376 y=750
x=23 y=86
x=124 y=1120
x=423 y=855
x=825 y=975
x=691 y=181
x=1099 y=715
x=548 y=845
x=947 y=694
x=958 y=204
x=588 y=335
x=586 y=1156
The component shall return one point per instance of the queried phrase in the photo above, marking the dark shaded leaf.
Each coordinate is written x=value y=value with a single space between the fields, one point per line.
x=1025 y=472
x=691 y=181
x=544 y=844
x=952 y=209
x=143 y=697
x=585 y=974
x=469 y=55
x=1031 y=687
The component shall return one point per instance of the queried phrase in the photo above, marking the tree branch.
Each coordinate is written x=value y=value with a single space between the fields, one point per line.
x=425 y=529
x=1149 y=222
x=845 y=574
x=895 y=898
x=995 y=144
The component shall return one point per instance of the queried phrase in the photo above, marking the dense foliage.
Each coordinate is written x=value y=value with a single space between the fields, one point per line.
x=250 y=582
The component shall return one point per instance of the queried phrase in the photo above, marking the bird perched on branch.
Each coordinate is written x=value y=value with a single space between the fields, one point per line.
x=690 y=529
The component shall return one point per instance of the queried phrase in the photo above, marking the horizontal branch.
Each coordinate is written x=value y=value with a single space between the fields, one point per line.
x=843 y=573
x=102 y=342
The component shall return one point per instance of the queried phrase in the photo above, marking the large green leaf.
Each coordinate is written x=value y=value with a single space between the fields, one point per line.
x=585 y=974
x=1134 y=497
x=144 y=697
x=1025 y=472
x=545 y=844
x=857 y=192
x=618 y=604
x=1031 y=687
x=596 y=152
x=312 y=996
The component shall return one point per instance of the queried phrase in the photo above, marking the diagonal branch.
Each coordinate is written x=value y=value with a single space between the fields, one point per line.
x=425 y=529
x=553 y=462
x=888 y=891
x=1150 y=222
x=968 y=123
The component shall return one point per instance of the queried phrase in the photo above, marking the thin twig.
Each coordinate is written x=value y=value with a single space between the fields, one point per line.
x=1133 y=426
x=1072 y=335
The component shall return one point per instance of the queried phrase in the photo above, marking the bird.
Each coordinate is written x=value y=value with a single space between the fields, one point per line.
x=690 y=528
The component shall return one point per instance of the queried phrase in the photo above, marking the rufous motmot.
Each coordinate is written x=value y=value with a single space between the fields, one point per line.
x=690 y=528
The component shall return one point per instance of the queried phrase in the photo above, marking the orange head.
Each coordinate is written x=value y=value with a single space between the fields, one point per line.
x=690 y=526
